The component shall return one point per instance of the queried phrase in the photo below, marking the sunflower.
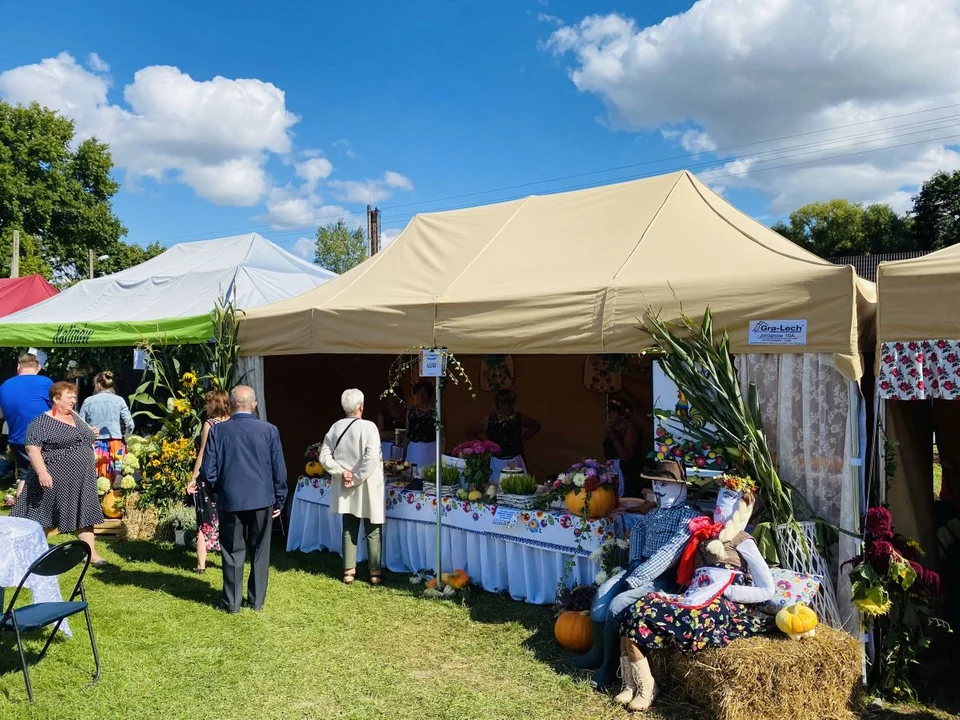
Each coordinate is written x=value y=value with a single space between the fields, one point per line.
x=189 y=380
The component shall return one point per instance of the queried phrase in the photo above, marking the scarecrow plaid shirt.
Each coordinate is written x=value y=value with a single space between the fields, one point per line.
x=656 y=543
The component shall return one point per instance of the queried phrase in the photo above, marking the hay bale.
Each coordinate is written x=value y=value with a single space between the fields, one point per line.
x=139 y=523
x=769 y=677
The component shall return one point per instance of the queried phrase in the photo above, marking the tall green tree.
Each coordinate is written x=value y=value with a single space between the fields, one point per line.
x=55 y=191
x=936 y=212
x=339 y=248
x=838 y=227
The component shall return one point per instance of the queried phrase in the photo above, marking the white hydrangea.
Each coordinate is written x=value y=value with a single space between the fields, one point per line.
x=103 y=486
x=127 y=482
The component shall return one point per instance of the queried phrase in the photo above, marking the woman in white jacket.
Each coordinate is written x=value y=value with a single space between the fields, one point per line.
x=351 y=453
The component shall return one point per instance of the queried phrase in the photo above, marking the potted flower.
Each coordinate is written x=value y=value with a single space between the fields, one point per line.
x=589 y=488
x=183 y=520
x=476 y=454
x=519 y=491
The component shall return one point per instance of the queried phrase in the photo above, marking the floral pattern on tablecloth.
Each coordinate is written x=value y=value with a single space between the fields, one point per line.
x=533 y=527
x=919 y=370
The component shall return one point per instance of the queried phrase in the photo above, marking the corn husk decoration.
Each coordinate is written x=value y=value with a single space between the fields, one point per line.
x=702 y=368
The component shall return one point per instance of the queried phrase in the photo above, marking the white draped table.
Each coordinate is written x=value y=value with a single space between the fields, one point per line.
x=526 y=560
x=22 y=541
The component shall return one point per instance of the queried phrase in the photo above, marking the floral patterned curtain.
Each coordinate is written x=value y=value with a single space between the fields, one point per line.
x=919 y=370
x=806 y=406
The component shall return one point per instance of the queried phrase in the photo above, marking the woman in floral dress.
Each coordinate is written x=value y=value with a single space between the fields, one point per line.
x=725 y=576
x=208 y=528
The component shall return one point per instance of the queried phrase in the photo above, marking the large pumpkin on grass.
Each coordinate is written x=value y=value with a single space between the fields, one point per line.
x=110 y=503
x=574 y=631
x=797 y=621
x=602 y=501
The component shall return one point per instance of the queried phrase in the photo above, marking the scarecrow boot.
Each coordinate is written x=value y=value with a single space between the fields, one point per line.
x=594 y=657
x=629 y=683
x=647 y=690
x=605 y=678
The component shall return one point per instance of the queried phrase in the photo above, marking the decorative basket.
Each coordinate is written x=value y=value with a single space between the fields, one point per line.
x=521 y=502
x=430 y=490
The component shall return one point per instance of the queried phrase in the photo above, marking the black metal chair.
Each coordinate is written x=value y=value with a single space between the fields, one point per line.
x=56 y=561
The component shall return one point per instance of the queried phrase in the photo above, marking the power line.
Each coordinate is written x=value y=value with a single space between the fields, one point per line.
x=821 y=144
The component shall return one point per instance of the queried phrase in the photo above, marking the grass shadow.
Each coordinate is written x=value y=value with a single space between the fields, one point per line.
x=179 y=586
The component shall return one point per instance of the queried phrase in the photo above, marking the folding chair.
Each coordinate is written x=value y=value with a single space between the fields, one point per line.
x=56 y=561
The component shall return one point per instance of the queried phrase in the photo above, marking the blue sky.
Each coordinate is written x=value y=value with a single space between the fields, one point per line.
x=458 y=97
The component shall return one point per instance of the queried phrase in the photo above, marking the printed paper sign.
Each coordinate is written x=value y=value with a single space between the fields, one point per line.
x=505 y=517
x=140 y=361
x=777 y=332
x=432 y=363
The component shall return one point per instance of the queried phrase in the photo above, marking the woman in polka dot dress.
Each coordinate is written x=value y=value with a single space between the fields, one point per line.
x=61 y=487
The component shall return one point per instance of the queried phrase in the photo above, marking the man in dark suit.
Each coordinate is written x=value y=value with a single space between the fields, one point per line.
x=243 y=461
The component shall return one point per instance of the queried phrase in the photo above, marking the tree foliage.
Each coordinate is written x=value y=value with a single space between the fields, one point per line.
x=339 y=248
x=838 y=227
x=58 y=194
x=936 y=211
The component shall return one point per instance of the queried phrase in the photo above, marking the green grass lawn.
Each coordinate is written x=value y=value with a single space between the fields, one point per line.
x=318 y=650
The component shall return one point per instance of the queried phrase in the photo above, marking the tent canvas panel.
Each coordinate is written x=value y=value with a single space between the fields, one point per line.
x=188 y=330
x=571 y=273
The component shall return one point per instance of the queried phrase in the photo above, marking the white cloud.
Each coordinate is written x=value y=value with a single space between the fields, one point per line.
x=314 y=170
x=370 y=191
x=305 y=247
x=549 y=19
x=727 y=73
x=97 y=64
x=388 y=235
x=292 y=209
x=214 y=135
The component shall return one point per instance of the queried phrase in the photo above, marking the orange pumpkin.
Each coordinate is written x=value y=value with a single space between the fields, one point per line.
x=603 y=500
x=458 y=579
x=109 y=505
x=574 y=631
x=432 y=584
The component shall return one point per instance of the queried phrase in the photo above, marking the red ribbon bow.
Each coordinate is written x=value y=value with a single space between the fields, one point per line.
x=701 y=528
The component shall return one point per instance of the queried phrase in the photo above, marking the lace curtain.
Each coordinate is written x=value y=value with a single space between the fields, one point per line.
x=810 y=416
x=250 y=372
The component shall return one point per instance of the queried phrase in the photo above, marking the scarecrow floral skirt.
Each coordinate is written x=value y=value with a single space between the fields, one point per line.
x=656 y=622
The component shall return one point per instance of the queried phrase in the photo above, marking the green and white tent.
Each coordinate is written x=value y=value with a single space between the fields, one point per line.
x=166 y=300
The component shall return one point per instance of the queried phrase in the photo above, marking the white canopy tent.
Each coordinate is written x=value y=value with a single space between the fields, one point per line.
x=167 y=299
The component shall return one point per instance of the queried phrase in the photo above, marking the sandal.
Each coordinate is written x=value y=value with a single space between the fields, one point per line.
x=200 y=570
x=376 y=579
x=349 y=576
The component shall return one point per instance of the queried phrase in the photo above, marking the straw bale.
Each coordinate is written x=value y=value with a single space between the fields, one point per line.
x=138 y=523
x=767 y=677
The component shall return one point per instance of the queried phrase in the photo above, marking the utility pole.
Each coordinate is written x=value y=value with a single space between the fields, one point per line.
x=15 y=255
x=373 y=229
x=90 y=257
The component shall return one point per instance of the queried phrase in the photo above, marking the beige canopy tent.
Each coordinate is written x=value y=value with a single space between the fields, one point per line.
x=571 y=273
x=918 y=384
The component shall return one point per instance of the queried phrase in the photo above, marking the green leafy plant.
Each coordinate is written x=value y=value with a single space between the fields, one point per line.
x=181 y=517
x=518 y=484
x=223 y=352
x=702 y=369
x=450 y=475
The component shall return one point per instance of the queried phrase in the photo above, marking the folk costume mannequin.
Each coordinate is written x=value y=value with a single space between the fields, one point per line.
x=724 y=575
x=656 y=542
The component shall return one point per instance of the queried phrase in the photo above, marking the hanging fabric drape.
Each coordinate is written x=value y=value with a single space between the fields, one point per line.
x=810 y=416
x=250 y=372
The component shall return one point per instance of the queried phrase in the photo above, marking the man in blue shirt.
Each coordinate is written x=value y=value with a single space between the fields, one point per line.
x=22 y=398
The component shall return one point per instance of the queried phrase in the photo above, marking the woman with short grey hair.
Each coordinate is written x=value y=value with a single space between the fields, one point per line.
x=352 y=455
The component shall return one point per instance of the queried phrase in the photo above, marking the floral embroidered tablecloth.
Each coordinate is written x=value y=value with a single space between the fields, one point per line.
x=545 y=529
x=919 y=370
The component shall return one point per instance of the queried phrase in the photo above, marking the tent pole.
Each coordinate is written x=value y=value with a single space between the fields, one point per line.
x=439 y=486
